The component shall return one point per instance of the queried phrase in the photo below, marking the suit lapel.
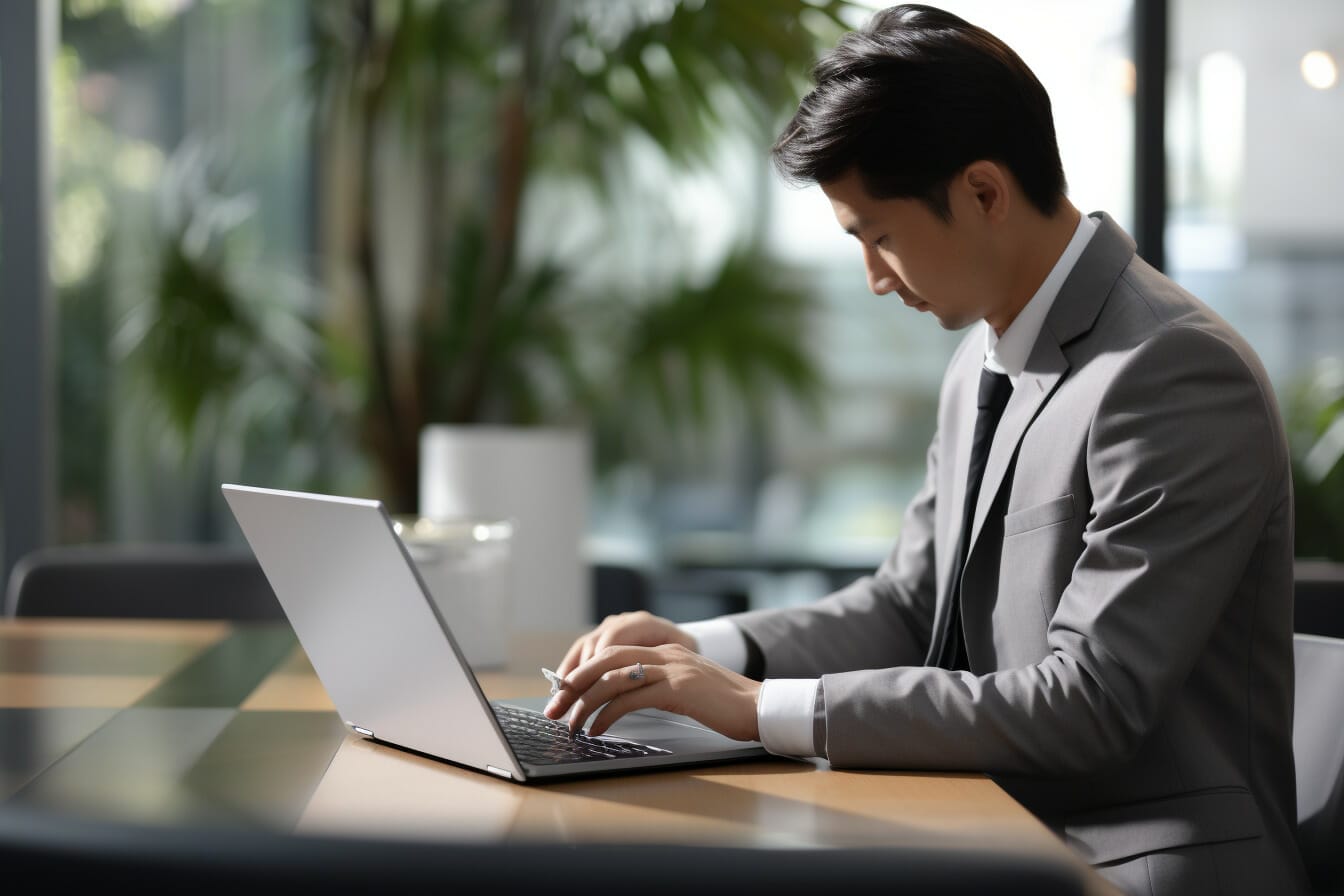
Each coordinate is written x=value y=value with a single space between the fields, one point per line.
x=1034 y=388
x=1073 y=314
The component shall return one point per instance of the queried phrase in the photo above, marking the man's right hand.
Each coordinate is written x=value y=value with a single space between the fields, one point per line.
x=638 y=629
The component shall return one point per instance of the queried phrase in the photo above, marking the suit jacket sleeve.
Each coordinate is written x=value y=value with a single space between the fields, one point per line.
x=878 y=621
x=1185 y=468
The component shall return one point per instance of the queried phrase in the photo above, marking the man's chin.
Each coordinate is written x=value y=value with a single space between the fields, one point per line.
x=952 y=323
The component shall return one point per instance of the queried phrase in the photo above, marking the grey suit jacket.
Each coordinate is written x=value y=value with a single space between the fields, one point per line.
x=1127 y=594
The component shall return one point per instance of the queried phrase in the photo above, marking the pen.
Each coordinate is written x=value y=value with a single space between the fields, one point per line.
x=555 y=680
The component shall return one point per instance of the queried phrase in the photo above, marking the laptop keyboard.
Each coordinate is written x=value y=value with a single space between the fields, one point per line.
x=542 y=741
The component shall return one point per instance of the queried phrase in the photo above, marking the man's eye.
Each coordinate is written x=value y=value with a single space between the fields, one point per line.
x=880 y=242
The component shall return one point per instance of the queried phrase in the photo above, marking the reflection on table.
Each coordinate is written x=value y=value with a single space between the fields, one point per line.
x=217 y=724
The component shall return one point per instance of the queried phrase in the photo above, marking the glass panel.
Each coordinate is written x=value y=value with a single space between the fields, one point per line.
x=1255 y=228
x=180 y=238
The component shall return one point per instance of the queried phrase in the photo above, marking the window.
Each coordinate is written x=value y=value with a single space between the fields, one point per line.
x=1254 y=225
x=181 y=170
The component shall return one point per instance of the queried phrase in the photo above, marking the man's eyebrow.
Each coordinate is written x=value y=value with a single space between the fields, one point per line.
x=857 y=229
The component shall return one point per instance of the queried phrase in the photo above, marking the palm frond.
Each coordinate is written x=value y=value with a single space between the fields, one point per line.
x=207 y=322
x=668 y=79
x=740 y=337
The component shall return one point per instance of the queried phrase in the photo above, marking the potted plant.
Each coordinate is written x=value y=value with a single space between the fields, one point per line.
x=438 y=126
x=467 y=111
x=1315 y=417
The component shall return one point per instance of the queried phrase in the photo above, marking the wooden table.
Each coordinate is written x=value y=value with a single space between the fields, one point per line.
x=183 y=723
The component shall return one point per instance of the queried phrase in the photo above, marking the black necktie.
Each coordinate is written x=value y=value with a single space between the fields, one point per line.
x=995 y=389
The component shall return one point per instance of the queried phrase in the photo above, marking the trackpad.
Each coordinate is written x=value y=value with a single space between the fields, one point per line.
x=671 y=732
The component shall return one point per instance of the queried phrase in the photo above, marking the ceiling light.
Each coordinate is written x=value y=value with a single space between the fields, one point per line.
x=1320 y=70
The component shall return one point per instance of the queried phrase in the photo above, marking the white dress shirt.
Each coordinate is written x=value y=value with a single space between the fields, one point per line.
x=788 y=707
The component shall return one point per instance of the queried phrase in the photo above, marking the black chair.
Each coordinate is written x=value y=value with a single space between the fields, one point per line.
x=64 y=853
x=686 y=594
x=1318 y=598
x=1318 y=749
x=143 y=581
x=619 y=589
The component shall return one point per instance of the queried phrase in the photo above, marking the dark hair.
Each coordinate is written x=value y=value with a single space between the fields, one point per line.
x=913 y=98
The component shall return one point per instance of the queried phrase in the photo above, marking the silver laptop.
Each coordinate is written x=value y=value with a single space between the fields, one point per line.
x=393 y=669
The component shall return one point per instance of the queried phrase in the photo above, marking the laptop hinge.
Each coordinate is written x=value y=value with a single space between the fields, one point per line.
x=364 y=731
x=499 y=771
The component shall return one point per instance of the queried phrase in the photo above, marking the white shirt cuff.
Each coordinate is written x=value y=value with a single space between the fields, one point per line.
x=786 y=714
x=720 y=641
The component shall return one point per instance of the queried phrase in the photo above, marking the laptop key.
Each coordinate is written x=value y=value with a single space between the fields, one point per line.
x=540 y=740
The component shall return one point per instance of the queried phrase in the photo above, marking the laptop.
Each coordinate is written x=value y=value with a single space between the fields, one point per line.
x=394 y=670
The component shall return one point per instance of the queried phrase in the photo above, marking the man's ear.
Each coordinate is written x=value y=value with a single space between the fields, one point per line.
x=987 y=183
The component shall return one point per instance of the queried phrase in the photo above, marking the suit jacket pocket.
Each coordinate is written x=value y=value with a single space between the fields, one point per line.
x=1056 y=510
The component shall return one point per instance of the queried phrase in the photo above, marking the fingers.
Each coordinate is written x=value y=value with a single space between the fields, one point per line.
x=639 y=628
x=588 y=646
x=585 y=648
x=613 y=684
x=674 y=678
x=586 y=674
x=605 y=638
x=651 y=695
x=573 y=657
x=609 y=659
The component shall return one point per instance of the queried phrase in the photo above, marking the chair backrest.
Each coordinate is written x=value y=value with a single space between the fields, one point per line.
x=142 y=581
x=619 y=589
x=1318 y=748
x=1318 y=598
x=70 y=852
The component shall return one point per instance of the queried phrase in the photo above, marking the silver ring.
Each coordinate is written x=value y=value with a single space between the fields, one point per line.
x=637 y=673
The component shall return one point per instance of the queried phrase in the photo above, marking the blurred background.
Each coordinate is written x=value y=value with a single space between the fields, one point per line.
x=282 y=238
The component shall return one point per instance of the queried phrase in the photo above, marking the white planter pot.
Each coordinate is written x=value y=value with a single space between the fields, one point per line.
x=536 y=478
x=466 y=567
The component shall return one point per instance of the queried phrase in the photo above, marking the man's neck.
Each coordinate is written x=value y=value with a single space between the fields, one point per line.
x=1037 y=246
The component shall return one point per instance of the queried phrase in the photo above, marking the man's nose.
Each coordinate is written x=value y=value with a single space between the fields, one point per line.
x=881 y=278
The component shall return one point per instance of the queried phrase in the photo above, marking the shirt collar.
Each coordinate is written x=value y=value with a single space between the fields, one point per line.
x=1009 y=353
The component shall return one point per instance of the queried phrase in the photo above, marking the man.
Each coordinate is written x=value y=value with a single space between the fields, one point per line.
x=1090 y=598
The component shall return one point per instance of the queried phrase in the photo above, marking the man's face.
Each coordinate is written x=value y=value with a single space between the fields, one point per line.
x=932 y=264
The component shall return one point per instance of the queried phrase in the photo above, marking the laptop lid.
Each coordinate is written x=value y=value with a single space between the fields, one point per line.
x=386 y=656
x=358 y=606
